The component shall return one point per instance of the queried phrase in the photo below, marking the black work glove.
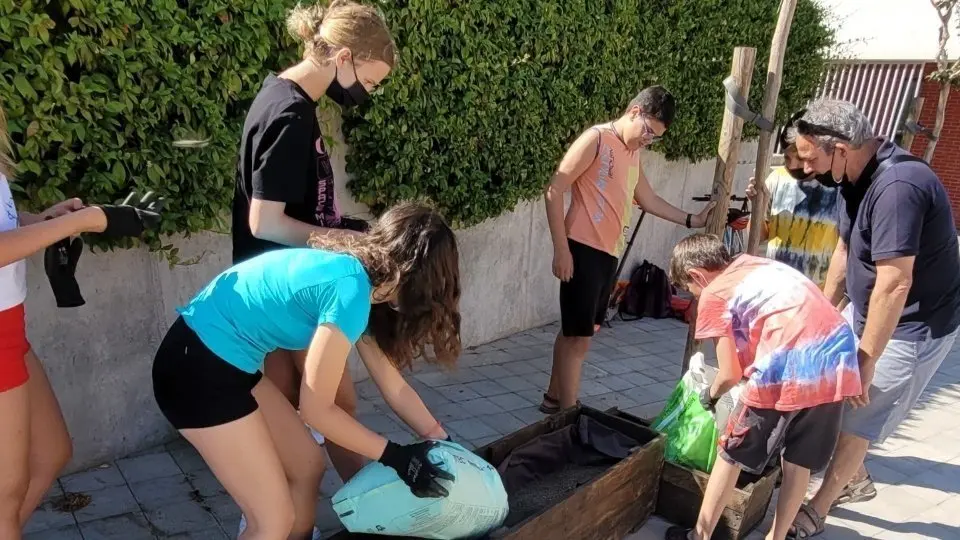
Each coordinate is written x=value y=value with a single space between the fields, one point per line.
x=353 y=224
x=415 y=469
x=60 y=264
x=709 y=403
x=132 y=219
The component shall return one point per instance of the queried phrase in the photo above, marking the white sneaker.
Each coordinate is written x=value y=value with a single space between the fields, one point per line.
x=317 y=535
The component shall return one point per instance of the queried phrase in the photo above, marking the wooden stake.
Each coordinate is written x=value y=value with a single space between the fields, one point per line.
x=778 y=47
x=912 y=116
x=727 y=153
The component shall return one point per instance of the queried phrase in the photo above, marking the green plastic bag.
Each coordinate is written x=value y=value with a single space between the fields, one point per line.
x=690 y=429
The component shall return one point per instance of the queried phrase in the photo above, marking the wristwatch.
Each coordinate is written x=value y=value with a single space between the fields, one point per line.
x=689 y=217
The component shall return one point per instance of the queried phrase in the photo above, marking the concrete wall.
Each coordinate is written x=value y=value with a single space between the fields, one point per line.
x=99 y=356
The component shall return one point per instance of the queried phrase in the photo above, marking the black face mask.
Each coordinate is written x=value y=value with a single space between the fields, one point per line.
x=353 y=96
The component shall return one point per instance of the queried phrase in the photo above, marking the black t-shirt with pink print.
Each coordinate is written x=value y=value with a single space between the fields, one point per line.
x=283 y=159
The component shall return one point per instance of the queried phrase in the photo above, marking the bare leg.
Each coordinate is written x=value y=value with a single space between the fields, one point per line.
x=50 y=445
x=281 y=368
x=244 y=458
x=301 y=457
x=723 y=480
x=569 y=353
x=847 y=461
x=792 y=490
x=14 y=458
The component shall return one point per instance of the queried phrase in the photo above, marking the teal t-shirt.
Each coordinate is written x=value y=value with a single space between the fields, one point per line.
x=276 y=301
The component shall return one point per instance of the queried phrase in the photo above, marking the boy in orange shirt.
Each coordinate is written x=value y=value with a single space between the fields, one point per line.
x=602 y=170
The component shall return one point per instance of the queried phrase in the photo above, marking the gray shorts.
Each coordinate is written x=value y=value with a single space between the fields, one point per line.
x=902 y=373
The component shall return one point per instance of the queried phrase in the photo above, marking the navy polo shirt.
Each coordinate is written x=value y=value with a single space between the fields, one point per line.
x=903 y=212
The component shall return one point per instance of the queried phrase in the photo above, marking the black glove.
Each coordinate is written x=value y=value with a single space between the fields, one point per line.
x=131 y=220
x=415 y=469
x=60 y=264
x=709 y=403
x=353 y=224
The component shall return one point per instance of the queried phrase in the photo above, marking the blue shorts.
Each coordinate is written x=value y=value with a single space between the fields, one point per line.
x=902 y=373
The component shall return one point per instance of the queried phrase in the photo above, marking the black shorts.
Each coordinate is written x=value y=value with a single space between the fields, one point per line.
x=807 y=438
x=194 y=387
x=583 y=299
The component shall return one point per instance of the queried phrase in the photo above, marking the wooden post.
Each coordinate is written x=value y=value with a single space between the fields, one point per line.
x=727 y=153
x=912 y=116
x=761 y=201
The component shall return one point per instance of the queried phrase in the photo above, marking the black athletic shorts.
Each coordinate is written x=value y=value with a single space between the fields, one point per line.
x=583 y=299
x=807 y=438
x=194 y=387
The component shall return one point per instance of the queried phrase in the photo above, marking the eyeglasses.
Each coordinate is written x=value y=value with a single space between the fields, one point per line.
x=648 y=131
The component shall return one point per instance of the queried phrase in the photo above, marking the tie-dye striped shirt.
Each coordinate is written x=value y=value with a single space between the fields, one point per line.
x=802 y=224
x=794 y=347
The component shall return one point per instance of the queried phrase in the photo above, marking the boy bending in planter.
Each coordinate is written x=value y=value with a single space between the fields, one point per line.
x=774 y=328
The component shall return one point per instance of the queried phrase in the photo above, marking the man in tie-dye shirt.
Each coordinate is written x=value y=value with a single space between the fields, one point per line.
x=774 y=328
x=801 y=228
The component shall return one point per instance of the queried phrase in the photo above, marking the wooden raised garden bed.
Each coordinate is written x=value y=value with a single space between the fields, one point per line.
x=595 y=502
x=681 y=494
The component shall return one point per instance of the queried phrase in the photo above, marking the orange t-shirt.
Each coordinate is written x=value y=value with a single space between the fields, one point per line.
x=602 y=200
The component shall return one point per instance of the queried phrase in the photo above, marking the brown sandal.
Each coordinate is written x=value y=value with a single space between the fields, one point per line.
x=800 y=532
x=551 y=405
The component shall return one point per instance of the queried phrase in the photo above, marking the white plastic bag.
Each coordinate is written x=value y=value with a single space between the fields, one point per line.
x=377 y=501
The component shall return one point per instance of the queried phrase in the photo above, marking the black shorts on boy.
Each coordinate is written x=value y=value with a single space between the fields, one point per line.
x=806 y=437
x=583 y=299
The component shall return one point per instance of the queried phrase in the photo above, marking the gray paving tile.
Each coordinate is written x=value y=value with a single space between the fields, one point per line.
x=483 y=441
x=487 y=388
x=510 y=402
x=71 y=532
x=148 y=467
x=436 y=380
x=494 y=372
x=504 y=423
x=615 y=367
x=617 y=383
x=529 y=415
x=153 y=494
x=592 y=388
x=93 y=479
x=458 y=393
x=534 y=396
x=637 y=379
x=188 y=459
x=431 y=398
x=528 y=353
x=208 y=534
x=451 y=411
x=226 y=511
x=130 y=526
x=472 y=429
x=381 y=423
x=181 y=517
x=482 y=406
x=47 y=517
x=516 y=383
x=606 y=401
x=591 y=371
x=327 y=519
x=107 y=502
x=205 y=483
x=523 y=367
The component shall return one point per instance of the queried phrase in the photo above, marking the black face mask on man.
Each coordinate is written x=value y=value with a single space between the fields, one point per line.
x=352 y=96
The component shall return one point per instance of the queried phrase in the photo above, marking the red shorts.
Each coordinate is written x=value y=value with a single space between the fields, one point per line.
x=13 y=348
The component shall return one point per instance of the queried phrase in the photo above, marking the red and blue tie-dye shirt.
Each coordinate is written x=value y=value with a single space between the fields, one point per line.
x=794 y=347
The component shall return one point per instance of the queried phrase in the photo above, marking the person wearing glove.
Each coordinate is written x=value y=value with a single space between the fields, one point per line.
x=26 y=397
x=123 y=220
x=207 y=376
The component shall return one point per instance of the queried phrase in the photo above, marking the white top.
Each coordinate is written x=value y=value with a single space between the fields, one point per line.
x=13 y=277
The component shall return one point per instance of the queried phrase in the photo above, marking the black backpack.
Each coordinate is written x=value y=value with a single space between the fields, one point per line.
x=648 y=294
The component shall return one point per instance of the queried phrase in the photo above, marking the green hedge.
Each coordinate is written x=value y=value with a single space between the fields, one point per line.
x=96 y=91
x=487 y=96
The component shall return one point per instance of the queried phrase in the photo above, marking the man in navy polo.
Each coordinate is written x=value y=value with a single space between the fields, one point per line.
x=898 y=263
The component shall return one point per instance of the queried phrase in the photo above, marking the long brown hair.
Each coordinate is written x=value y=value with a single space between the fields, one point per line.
x=412 y=252
x=7 y=165
x=343 y=24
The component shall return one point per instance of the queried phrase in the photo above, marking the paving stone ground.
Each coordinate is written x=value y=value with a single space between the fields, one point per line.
x=169 y=493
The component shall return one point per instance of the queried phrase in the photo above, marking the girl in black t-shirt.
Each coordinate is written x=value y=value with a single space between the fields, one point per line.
x=285 y=184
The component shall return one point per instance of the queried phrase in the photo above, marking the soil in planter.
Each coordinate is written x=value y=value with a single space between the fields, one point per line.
x=545 y=471
x=537 y=496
